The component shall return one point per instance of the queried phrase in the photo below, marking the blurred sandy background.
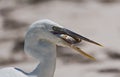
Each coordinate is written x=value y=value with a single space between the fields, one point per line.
x=98 y=20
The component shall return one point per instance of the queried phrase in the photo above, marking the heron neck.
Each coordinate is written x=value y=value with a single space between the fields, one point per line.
x=46 y=67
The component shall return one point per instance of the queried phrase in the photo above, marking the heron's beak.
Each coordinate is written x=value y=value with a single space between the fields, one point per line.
x=77 y=37
x=74 y=35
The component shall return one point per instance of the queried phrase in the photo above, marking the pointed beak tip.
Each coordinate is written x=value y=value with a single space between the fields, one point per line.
x=94 y=59
x=100 y=45
x=91 y=58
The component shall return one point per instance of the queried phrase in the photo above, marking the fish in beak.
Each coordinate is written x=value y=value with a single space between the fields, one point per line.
x=73 y=38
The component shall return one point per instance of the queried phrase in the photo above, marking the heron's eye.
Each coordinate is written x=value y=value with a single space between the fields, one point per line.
x=56 y=28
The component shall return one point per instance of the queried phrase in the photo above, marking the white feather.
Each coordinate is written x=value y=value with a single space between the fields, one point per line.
x=11 y=72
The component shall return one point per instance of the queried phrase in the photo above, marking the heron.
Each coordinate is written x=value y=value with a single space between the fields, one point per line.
x=41 y=40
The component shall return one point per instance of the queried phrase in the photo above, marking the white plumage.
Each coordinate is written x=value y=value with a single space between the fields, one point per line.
x=40 y=42
x=11 y=72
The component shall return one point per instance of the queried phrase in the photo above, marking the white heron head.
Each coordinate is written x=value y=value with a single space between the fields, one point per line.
x=44 y=31
x=45 y=24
